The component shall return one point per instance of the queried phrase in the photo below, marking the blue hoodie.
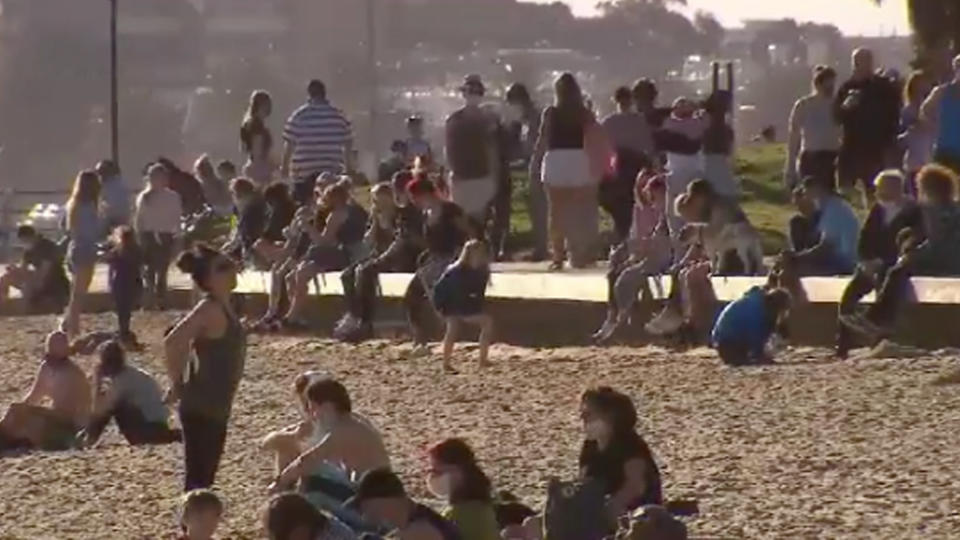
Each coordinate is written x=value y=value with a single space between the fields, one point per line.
x=745 y=321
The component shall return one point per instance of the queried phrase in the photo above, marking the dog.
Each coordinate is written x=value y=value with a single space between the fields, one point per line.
x=741 y=237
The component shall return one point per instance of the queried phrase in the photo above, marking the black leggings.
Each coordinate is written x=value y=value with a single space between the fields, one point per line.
x=360 y=282
x=126 y=298
x=159 y=251
x=134 y=427
x=203 y=441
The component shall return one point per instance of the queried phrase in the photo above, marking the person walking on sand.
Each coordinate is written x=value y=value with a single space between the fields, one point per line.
x=459 y=297
x=205 y=355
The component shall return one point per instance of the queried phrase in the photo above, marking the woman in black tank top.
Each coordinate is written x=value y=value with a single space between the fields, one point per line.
x=205 y=355
x=561 y=163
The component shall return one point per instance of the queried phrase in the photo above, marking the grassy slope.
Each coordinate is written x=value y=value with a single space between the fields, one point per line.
x=765 y=199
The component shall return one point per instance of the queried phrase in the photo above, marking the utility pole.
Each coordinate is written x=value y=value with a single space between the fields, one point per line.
x=114 y=97
x=373 y=77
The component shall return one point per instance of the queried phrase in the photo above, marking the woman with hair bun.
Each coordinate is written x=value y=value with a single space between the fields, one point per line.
x=205 y=353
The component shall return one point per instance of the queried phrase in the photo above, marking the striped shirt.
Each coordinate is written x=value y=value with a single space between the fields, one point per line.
x=319 y=135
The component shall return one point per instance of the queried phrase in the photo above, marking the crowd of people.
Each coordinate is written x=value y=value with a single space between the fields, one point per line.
x=664 y=175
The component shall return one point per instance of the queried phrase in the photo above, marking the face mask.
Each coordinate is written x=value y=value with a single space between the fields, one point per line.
x=595 y=429
x=439 y=485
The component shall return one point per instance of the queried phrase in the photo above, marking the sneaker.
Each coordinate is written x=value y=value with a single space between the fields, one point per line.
x=606 y=331
x=861 y=324
x=667 y=322
x=420 y=350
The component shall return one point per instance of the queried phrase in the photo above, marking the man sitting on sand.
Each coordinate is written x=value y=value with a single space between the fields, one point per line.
x=31 y=425
x=348 y=447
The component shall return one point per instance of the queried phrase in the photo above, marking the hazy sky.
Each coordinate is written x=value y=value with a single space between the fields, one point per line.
x=851 y=16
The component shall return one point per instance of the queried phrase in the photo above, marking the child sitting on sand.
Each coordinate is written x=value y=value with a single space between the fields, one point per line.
x=746 y=325
x=459 y=297
x=200 y=513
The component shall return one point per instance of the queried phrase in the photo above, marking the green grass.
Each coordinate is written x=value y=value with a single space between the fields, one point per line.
x=765 y=199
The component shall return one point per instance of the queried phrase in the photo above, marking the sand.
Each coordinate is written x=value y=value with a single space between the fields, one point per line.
x=809 y=448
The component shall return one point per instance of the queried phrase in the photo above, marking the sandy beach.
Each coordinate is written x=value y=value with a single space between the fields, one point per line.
x=809 y=448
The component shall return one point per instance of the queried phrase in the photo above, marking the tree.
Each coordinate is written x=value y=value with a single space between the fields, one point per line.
x=936 y=32
x=710 y=30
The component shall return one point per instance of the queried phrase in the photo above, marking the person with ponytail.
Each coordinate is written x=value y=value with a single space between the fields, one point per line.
x=456 y=477
x=205 y=355
x=256 y=141
x=85 y=229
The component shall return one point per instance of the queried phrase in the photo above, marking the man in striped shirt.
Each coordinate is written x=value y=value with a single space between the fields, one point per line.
x=317 y=139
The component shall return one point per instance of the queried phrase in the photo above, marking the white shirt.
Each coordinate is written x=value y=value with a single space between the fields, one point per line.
x=158 y=211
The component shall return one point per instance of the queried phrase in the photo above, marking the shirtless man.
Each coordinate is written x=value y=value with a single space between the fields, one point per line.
x=31 y=425
x=345 y=439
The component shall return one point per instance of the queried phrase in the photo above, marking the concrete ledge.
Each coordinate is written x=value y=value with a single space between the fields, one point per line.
x=537 y=308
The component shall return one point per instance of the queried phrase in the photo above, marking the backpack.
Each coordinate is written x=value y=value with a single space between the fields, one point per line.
x=575 y=510
x=470 y=140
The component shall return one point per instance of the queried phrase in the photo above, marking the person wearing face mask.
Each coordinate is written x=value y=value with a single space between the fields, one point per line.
x=892 y=213
x=456 y=478
x=941 y=111
x=615 y=454
x=382 y=499
x=349 y=446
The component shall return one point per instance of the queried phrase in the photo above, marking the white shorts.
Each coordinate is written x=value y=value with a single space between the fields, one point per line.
x=474 y=196
x=566 y=168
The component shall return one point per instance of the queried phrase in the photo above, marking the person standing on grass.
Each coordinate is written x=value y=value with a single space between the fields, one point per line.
x=522 y=127
x=157 y=222
x=205 y=356
x=941 y=111
x=813 y=138
x=868 y=108
x=472 y=153
x=256 y=141
x=318 y=138
x=916 y=136
x=85 y=229
x=632 y=141
x=460 y=295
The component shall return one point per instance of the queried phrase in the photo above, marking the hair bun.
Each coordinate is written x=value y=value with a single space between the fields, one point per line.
x=187 y=263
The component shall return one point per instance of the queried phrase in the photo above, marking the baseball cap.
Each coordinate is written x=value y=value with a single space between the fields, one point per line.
x=377 y=484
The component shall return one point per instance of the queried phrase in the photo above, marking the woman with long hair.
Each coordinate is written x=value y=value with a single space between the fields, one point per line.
x=916 y=137
x=256 y=141
x=456 y=477
x=85 y=229
x=205 y=356
x=561 y=162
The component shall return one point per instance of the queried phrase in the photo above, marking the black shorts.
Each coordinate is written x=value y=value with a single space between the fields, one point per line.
x=860 y=165
x=326 y=258
x=821 y=164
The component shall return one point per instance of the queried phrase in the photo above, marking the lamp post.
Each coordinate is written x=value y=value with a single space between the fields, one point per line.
x=373 y=76
x=114 y=98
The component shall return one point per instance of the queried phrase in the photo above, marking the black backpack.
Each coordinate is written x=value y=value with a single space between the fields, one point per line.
x=576 y=511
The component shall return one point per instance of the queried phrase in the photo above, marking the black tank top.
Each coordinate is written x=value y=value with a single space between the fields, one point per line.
x=354 y=227
x=447 y=530
x=566 y=129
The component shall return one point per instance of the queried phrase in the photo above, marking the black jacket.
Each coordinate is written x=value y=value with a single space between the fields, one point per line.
x=878 y=240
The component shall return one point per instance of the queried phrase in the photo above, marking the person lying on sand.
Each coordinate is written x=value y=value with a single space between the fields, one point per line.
x=130 y=396
x=381 y=498
x=349 y=446
x=29 y=424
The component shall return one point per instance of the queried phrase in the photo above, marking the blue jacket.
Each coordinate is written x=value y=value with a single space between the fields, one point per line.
x=745 y=321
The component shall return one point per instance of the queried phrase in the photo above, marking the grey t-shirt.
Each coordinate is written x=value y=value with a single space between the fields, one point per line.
x=138 y=389
x=629 y=130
